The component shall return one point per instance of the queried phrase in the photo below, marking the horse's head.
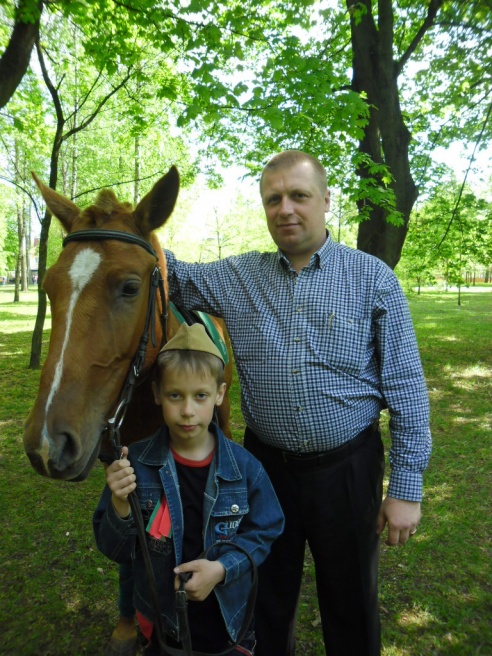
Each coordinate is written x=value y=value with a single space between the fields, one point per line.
x=99 y=291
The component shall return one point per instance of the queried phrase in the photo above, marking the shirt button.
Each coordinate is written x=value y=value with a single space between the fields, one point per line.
x=299 y=408
x=297 y=340
x=299 y=308
x=235 y=508
x=295 y=371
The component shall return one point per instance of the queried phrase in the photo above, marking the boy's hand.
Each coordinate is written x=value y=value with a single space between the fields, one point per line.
x=121 y=481
x=205 y=575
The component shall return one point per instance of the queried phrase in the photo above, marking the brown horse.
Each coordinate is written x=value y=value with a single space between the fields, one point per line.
x=99 y=290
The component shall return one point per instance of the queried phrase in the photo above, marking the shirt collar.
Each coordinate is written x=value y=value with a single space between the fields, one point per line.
x=318 y=259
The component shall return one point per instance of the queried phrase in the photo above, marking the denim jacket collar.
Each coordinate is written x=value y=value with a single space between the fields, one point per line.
x=157 y=452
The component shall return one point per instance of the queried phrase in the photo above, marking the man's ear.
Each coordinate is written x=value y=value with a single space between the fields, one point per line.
x=155 y=390
x=327 y=200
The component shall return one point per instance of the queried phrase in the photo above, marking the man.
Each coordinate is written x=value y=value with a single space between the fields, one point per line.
x=323 y=341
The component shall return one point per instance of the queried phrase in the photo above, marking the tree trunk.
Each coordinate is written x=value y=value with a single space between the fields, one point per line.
x=37 y=336
x=136 y=171
x=21 y=268
x=17 y=55
x=386 y=137
x=25 y=268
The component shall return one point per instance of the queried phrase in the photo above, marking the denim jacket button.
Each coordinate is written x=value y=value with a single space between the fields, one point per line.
x=235 y=508
x=149 y=503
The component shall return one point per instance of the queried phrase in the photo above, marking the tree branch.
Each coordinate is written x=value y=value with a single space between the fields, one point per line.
x=118 y=184
x=471 y=160
x=191 y=23
x=51 y=87
x=24 y=191
x=98 y=108
x=434 y=6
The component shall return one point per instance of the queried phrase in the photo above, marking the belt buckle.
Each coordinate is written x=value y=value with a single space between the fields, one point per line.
x=288 y=456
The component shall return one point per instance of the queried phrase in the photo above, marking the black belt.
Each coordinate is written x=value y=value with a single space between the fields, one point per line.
x=321 y=459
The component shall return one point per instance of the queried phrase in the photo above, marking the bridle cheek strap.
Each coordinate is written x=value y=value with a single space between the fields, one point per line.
x=156 y=283
x=115 y=422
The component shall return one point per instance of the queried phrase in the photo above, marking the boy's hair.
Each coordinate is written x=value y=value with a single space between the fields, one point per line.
x=289 y=158
x=196 y=363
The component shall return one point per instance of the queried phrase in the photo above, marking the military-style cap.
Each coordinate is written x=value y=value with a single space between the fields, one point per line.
x=192 y=338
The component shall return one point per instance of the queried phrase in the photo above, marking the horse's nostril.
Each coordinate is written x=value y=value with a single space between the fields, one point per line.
x=64 y=452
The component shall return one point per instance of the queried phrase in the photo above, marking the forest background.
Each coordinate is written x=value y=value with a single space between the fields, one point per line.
x=111 y=93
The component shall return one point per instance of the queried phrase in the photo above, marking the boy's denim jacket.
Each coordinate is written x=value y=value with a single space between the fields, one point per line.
x=239 y=505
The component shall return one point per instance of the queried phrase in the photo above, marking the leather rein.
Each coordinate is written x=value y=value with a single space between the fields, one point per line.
x=114 y=427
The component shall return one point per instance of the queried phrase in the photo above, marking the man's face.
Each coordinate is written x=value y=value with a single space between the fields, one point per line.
x=295 y=207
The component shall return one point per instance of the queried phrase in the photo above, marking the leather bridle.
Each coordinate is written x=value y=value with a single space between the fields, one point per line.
x=156 y=283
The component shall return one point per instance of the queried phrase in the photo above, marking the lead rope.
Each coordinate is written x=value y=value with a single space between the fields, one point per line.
x=115 y=422
x=182 y=609
x=181 y=595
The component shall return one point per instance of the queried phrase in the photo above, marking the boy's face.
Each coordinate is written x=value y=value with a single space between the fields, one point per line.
x=188 y=403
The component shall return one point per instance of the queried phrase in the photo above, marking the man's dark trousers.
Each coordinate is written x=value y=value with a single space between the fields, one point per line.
x=334 y=506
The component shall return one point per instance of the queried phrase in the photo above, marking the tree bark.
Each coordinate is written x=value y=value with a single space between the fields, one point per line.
x=37 y=335
x=17 y=55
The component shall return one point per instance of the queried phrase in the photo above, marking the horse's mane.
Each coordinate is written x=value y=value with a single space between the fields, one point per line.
x=107 y=202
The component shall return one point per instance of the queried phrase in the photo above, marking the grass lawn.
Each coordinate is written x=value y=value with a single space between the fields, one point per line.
x=58 y=593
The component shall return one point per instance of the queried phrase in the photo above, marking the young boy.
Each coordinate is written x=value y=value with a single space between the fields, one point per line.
x=195 y=487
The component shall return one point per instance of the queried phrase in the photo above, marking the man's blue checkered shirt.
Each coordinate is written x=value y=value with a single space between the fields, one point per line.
x=319 y=353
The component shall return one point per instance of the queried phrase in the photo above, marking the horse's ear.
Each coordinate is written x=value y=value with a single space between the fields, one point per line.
x=158 y=204
x=61 y=207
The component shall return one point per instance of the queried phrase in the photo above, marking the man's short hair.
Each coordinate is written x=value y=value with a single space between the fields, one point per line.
x=289 y=158
x=195 y=363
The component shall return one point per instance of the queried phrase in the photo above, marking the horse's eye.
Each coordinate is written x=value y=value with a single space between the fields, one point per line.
x=130 y=288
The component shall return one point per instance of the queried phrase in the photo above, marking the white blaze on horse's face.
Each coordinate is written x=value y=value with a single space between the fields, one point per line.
x=83 y=268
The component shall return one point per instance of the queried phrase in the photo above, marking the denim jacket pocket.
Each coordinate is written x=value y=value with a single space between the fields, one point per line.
x=227 y=513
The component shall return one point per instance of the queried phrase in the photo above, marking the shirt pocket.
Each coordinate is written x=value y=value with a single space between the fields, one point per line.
x=344 y=342
x=227 y=513
x=254 y=336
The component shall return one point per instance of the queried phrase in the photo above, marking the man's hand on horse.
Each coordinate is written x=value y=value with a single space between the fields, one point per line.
x=205 y=575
